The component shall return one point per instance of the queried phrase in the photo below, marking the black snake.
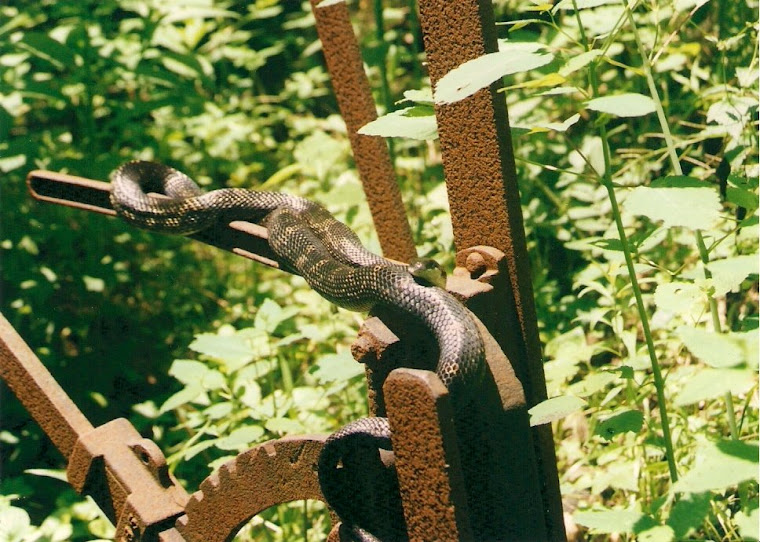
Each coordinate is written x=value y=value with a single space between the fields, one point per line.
x=325 y=252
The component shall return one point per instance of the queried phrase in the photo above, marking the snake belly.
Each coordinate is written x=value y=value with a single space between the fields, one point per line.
x=327 y=254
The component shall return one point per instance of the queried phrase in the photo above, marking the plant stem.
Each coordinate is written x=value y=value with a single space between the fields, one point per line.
x=659 y=382
x=676 y=164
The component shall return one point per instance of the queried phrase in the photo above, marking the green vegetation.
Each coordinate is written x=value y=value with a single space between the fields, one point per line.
x=635 y=129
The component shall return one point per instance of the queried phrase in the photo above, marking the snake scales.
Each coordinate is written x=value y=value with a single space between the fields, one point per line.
x=325 y=252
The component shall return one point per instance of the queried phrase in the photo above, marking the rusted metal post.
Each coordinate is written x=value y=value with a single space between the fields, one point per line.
x=38 y=391
x=485 y=204
x=357 y=107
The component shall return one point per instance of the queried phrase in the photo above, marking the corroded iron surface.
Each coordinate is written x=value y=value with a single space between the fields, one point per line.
x=275 y=472
x=427 y=456
x=38 y=391
x=357 y=107
x=485 y=203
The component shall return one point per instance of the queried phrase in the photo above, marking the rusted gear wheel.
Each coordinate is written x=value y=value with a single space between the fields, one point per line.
x=272 y=473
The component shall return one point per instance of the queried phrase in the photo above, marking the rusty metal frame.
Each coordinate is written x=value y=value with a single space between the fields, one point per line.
x=477 y=471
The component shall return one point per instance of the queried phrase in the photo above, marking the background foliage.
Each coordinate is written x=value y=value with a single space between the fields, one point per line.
x=636 y=135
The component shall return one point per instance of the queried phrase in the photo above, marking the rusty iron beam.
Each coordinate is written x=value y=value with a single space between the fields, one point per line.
x=483 y=192
x=38 y=391
x=242 y=238
x=357 y=107
x=426 y=456
x=125 y=474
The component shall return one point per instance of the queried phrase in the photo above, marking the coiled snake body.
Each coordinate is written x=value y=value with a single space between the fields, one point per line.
x=324 y=251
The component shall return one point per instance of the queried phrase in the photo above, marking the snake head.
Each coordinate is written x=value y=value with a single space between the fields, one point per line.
x=427 y=272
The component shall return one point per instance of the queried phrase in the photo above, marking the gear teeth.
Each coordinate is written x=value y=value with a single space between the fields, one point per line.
x=268 y=474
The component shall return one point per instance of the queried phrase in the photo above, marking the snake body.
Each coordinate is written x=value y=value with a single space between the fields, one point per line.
x=325 y=252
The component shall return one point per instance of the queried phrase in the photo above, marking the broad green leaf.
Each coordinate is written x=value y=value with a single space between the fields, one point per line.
x=182 y=397
x=621 y=422
x=188 y=371
x=233 y=350
x=554 y=409
x=579 y=61
x=623 y=105
x=420 y=96
x=695 y=208
x=218 y=411
x=15 y=524
x=241 y=438
x=592 y=384
x=270 y=315
x=678 y=181
x=55 y=474
x=332 y=367
x=658 y=533
x=679 y=297
x=729 y=273
x=48 y=49
x=480 y=72
x=688 y=513
x=741 y=197
x=713 y=383
x=401 y=124
x=610 y=521
x=284 y=426
x=550 y=126
x=749 y=524
x=720 y=465
x=715 y=349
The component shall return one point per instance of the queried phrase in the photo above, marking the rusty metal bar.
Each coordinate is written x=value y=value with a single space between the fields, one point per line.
x=427 y=456
x=480 y=174
x=38 y=391
x=357 y=107
x=242 y=238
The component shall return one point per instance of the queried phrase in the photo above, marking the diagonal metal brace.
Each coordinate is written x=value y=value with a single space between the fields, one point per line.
x=124 y=473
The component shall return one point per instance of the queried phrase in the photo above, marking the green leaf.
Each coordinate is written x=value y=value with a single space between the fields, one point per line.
x=623 y=105
x=749 y=524
x=658 y=533
x=577 y=62
x=713 y=383
x=679 y=297
x=182 y=397
x=592 y=384
x=695 y=208
x=188 y=371
x=688 y=513
x=15 y=524
x=610 y=521
x=741 y=197
x=403 y=123
x=554 y=409
x=48 y=49
x=678 y=181
x=621 y=422
x=232 y=350
x=729 y=273
x=284 y=426
x=241 y=438
x=270 y=315
x=480 y=72
x=715 y=349
x=55 y=474
x=720 y=465
x=340 y=367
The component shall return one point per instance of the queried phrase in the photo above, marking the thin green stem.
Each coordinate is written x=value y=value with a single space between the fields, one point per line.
x=659 y=382
x=704 y=255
